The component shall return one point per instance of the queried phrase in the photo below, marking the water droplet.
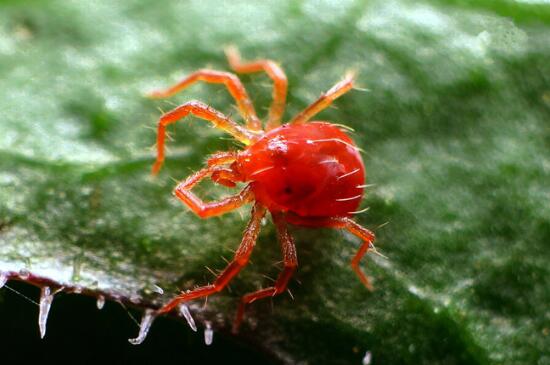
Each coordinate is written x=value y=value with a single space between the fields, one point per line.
x=146 y=321
x=3 y=279
x=100 y=302
x=208 y=334
x=367 y=358
x=24 y=274
x=46 y=299
x=184 y=310
x=158 y=289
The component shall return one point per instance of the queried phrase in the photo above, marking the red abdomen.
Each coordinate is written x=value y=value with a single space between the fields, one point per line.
x=311 y=169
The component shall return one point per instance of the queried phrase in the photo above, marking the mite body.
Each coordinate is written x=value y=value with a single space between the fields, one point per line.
x=306 y=173
x=311 y=170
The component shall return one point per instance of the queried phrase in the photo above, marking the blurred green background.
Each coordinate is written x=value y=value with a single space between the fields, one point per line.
x=455 y=128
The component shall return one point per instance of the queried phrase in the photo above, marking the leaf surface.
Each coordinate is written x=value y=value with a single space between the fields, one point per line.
x=456 y=139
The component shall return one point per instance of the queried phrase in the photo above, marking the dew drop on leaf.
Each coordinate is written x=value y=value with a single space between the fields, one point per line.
x=157 y=289
x=3 y=279
x=184 y=310
x=100 y=302
x=46 y=299
x=146 y=322
x=208 y=334
x=367 y=358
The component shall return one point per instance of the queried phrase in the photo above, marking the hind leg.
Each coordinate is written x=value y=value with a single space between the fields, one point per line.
x=274 y=72
x=231 y=82
x=239 y=261
x=352 y=227
x=290 y=263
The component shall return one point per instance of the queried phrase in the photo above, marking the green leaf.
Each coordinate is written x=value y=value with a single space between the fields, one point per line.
x=456 y=139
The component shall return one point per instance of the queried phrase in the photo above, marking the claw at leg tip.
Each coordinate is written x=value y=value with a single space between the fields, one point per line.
x=368 y=285
x=154 y=94
x=156 y=168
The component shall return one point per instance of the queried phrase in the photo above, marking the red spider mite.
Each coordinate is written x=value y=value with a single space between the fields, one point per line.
x=304 y=173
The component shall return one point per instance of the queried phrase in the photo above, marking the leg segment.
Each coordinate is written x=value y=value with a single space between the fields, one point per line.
x=274 y=72
x=205 y=210
x=368 y=238
x=223 y=176
x=290 y=264
x=202 y=111
x=239 y=261
x=348 y=224
x=231 y=82
x=220 y=158
x=326 y=99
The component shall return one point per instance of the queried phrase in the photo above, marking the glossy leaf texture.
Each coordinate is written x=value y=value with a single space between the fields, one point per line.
x=455 y=129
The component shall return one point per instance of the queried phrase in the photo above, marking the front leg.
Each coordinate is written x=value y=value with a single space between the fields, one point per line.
x=203 y=111
x=204 y=210
x=239 y=261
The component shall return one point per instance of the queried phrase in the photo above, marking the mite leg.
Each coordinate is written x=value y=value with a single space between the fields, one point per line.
x=368 y=239
x=325 y=100
x=348 y=224
x=239 y=261
x=220 y=158
x=231 y=82
x=274 y=72
x=204 y=210
x=223 y=176
x=290 y=263
x=202 y=111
